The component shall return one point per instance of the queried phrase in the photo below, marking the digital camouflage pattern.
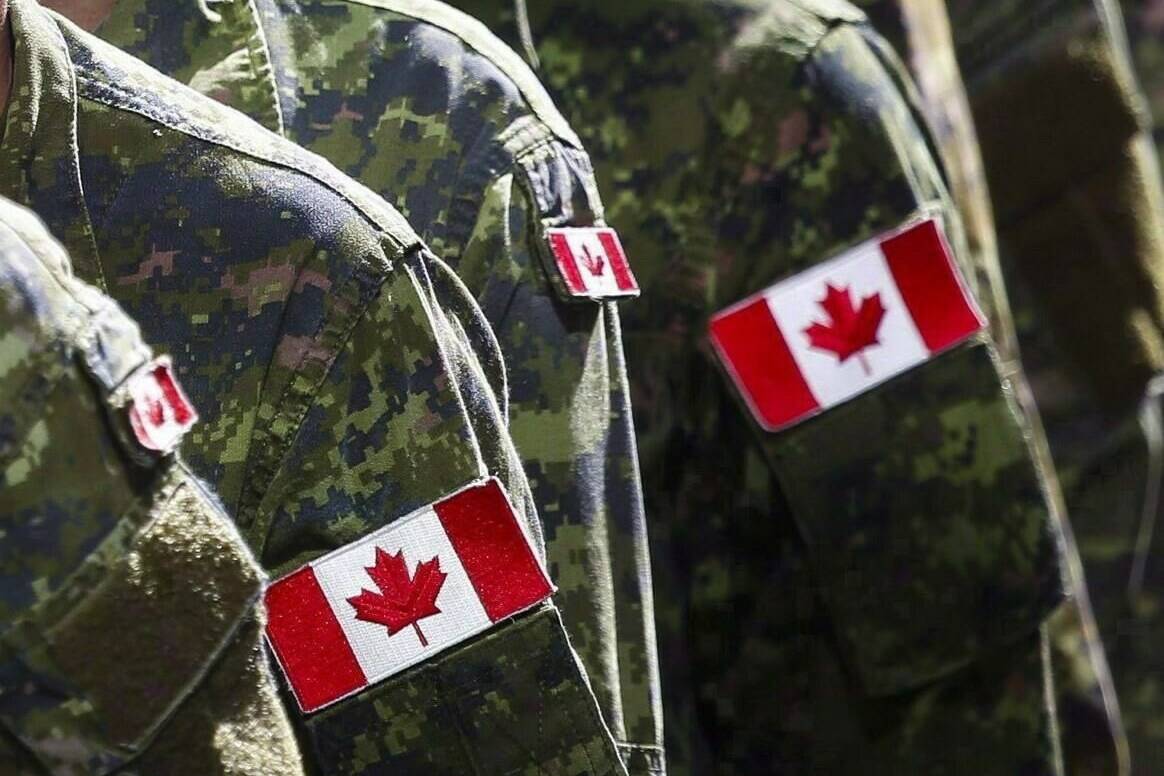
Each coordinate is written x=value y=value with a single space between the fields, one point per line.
x=122 y=579
x=1090 y=719
x=1085 y=207
x=427 y=108
x=334 y=360
x=740 y=143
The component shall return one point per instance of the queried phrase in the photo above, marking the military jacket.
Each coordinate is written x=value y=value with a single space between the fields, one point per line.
x=1103 y=223
x=128 y=596
x=1079 y=216
x=745 y=143
x=1084 y=208
x=427 y=108
x=335 y=363
x=1089 y=712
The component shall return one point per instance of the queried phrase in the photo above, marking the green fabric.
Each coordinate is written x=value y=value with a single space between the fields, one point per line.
x=427 y=108
x=1079 y=208
x=343 y=374
x=123 y=581
x=817 y=587
x=1082 y=242
x=548 y=725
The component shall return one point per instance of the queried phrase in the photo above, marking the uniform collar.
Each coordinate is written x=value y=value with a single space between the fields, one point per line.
x=39 y=157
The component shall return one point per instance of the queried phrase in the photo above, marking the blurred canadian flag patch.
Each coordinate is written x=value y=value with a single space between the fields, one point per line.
x=592 y=262
x=846 y=325
x=159 y=412
x=402 y=594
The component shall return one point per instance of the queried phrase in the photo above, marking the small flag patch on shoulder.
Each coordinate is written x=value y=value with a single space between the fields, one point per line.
x=400 y=595
x=846 y=325
x=159 y=412
x=592 y=263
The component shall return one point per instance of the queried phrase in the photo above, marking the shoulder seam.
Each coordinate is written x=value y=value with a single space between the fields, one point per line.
x=107 y=94
x=478 y=37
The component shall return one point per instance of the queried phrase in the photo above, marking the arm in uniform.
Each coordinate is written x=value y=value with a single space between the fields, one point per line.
x=344 y=376
x=427 y=108
x=129 y=599
x=1090 y=217
x=890 y=563
x=1089 y=715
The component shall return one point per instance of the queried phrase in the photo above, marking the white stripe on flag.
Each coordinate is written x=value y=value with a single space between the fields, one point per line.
x=796 y=306
x=420 y=538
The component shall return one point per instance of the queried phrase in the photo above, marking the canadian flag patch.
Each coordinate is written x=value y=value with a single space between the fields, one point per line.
x=402 y=594
x=159 y=411
x=834 y=331
x=592 y=262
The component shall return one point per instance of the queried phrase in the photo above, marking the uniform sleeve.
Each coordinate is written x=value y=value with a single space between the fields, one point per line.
x=569 y=412
x=404 y=416
x=920 y=506
x=898 y=548
x=123 y=582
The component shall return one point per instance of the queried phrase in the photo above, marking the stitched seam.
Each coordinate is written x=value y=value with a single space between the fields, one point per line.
x=117 y=98
x=296 y=398
x=74 y=151
x=586 y=693
x=260 y=55
x=453 y=367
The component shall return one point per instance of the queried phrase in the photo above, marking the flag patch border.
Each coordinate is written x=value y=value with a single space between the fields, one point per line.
x=373 y=540
x=144 y=432
x=822 y=269
x=564 y=267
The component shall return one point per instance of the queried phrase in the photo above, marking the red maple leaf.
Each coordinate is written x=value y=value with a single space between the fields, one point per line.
x=850 y=330
x=594 y=264
x=402 y=600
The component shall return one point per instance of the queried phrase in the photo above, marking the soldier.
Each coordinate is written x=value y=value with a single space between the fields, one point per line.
x=130 y=630
x=352 y=404
x=427 y=108
x=752 y=143
x=1091 y=217
x=923 y=30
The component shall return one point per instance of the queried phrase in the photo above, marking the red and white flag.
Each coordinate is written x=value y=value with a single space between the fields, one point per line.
x=159 y=411
x=402 y=594
x=592 y=262
x=846 y=325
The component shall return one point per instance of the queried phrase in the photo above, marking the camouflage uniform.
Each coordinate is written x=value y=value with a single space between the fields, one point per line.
x=745 y=142
x=1086 y=695
x=334 y=361
x=1080 y=210
x=121 y=577
x=427 y=108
